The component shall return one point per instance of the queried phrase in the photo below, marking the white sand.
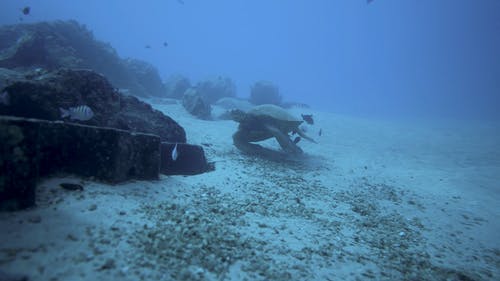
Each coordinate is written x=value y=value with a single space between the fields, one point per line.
x=373 y=200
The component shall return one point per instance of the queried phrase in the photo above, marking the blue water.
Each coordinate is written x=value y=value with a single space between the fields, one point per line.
x=392 y=59
x=406 y=90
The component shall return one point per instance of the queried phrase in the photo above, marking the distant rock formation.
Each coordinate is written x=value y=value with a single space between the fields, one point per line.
x=265 y=92
x=194 y=103
x=67 y=44
x=211 y=90
x=176 y=85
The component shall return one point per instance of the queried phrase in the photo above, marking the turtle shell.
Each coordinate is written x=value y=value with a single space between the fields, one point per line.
x=273 y=111
x=252 y=127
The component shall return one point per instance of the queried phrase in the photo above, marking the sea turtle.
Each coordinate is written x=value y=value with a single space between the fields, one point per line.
x=263 y=122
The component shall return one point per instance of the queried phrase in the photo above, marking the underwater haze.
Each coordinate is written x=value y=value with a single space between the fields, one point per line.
x=122 y=169
x=430 y=59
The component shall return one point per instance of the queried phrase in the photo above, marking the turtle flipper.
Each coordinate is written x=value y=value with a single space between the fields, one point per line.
x=285 y=142
x=240 y=141
x=303 y=135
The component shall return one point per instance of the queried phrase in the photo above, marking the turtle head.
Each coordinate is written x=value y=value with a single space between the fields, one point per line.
x=237 y=115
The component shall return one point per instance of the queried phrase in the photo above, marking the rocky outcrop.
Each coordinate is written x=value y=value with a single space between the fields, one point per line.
x=67 y=44
x=41 y=95
x=147 y=77
x=33 y=148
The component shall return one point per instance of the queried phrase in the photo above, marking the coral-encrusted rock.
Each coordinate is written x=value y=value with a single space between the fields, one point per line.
x=42 y=95
x=34 y=148
x=190 y=160
x=67 y=44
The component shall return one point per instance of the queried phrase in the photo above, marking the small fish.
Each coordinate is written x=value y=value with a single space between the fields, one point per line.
x=147 y=47
x=180 y=2
x=320 y=132
x=165 y=44
x=308 y=118
x=82 y=113
x=26 y=10
x=369 y=1
x=5 y=98
x=296 y=140
x=175 y=154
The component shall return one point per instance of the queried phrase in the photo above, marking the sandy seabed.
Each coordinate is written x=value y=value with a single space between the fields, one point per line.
x=371 y=201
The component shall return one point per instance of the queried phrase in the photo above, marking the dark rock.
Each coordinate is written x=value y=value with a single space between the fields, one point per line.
x=190 y=161
x=35 y=148
x=41 y=97
x=265 y=92
x=196 y=105
x=19 y=160
x=67 y=44
x=71 y=186
x=4 y=276
x=176 y=86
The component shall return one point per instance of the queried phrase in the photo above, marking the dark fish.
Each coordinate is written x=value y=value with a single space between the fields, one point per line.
x=296 y=140
x=369 y=1
x=308 y=118
x=320 y=132
x=165 y=44
x=147 y=47
x=26 y=10
x=180 y=2
x=71 y=186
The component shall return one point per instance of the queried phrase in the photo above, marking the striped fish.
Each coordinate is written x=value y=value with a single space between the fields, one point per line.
x=82 y=113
